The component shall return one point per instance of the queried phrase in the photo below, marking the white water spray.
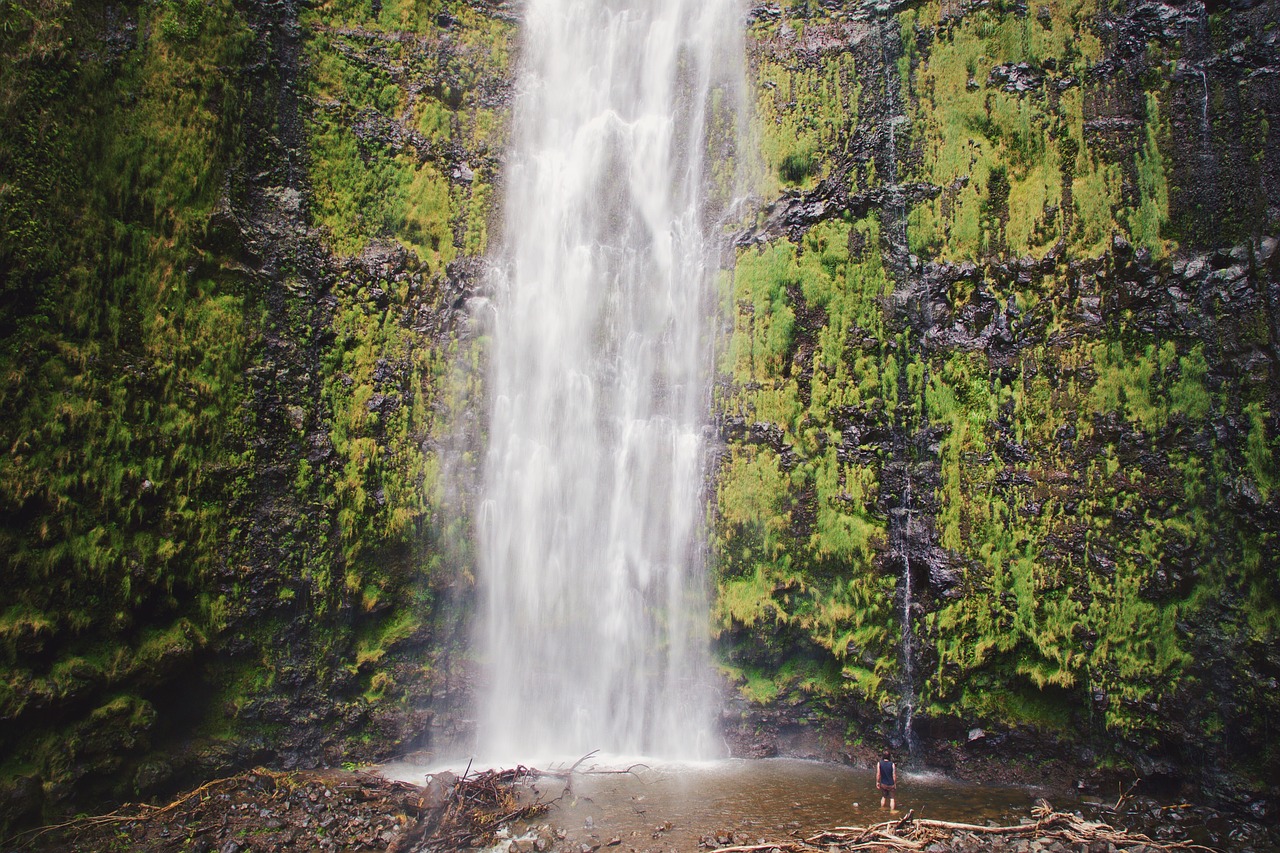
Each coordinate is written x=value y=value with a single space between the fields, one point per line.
x=590 y=532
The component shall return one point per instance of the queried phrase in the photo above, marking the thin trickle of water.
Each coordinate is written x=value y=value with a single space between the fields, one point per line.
x=1205 y=129
x=894 y=221
x=908 y=633
x=594 y=622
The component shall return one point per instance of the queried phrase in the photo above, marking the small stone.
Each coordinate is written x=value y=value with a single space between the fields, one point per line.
x=1267 y=248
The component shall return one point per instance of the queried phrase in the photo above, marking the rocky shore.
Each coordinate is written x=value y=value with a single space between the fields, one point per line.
x=265 y=811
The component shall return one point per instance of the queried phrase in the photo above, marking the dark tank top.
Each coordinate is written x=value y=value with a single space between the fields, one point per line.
x=885 y=773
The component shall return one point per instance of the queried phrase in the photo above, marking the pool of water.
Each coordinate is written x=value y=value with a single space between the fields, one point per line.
x=654 y=807
x=770 y=798
x=665 y=807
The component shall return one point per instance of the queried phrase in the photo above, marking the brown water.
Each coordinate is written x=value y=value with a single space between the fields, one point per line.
x=742 y=801
x=672 y=808
x=761 y=799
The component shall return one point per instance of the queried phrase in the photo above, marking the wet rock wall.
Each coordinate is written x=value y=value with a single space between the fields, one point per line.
x=1002 y=341
x=1001 y=334
x=239 y=242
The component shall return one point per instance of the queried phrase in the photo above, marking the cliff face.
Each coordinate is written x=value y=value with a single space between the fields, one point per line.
x=236 y=239
x=1001 y=359
x=1003 y=372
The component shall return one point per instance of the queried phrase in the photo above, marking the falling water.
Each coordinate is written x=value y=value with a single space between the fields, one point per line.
x=591 y=553
x=1205 y=128
x=908 y=634
x=898 y=251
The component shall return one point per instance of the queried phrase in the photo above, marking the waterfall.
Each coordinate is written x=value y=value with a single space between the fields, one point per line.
x=897 y=251
x=593 y=628
x=1206 y=130
x=908 y=710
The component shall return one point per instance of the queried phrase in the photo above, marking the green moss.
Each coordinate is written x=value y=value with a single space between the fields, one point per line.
x=22 y=625
x=801 y=111
x=797 y=678
x=846 y=531
x=379 y=685
x=366 y=188
x=384 y=637
x=757 y=687
x=1260 y=450
x=760 y=287
x=132 y=355
x=992 y=700
x=178 y=641
x=384 y=490
x=1094 y=510
x=1007 y=160
x=1149 y=218
x=123 y=358
x=799 y=360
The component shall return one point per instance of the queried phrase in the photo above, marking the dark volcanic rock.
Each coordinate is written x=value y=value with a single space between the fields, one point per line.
x=1015 y=77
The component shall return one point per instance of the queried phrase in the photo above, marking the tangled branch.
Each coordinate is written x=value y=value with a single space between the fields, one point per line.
x=912 y=834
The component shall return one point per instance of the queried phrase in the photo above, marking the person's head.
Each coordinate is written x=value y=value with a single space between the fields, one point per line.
x=888 y=756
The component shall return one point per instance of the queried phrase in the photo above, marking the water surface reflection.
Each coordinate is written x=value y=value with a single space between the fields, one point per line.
x=653 y=807
x=755 y=799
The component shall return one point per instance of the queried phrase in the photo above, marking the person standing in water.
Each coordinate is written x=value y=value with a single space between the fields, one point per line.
x=887 y=779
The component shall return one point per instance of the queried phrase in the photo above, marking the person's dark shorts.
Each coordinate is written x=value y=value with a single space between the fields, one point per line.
x=886 y=789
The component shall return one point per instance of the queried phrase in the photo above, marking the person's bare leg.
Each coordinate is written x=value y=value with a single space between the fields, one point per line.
x=882 y=802
x=892 y=806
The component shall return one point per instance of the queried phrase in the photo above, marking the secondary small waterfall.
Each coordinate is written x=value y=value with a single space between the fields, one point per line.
x=593 y=628
x=908 y=710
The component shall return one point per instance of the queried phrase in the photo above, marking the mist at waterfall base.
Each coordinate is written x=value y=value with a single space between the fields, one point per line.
x=593 y=625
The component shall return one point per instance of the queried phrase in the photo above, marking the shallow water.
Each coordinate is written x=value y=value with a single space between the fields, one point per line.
x=769 y=798
x=747 y=800
x=652 y=807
